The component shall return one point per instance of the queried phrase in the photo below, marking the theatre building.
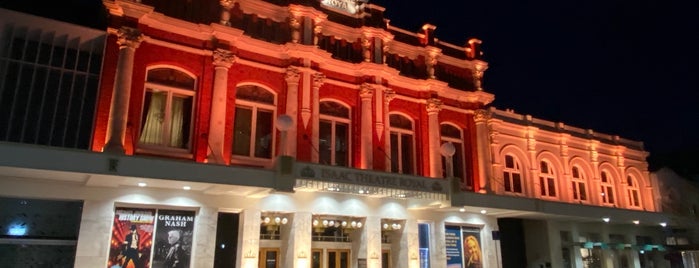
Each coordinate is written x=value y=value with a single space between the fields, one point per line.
x=295 y=133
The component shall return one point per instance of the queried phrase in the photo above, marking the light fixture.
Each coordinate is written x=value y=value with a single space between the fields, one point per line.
x=605 y=219
x=315 y=222
x=636 y=222
x=187 y=188
x=483 y=211
x=142 y=184
x=602 y=193
x=277 y=220
x=462 y=209
x=325 y=223
x=353 y=224
x=385 y=226
x=331 y=223
x=361 y=191
x=266 y=220
x=359 y=224
x=285 y=220
x=344 y=224
x=663 y=224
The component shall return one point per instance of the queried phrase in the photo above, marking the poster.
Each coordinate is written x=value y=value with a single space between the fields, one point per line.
x=453 y=246
x=132 y=234
x=173 y=239
x=473 y=256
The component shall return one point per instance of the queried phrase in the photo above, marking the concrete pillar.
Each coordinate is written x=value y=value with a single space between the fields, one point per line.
x=249 y=238
x=483 y=147
x=318 y=79
x=388 y=96
x=128 y=39
x=367 y=153
x=433 y=108
x=298 y=251
x=292 y=109
x=407 y=248
x=223 y=59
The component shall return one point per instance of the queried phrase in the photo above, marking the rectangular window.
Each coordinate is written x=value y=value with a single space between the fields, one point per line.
x=407 y=154
x=517 y=183
x=226 y=240
x=242 y=130
x=263 y=134
x=423 y=231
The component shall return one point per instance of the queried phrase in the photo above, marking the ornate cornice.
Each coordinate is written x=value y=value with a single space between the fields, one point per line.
x=433 y=105
x=223 y=58
x=318 y=80
x=366 y=91
x=293 y=75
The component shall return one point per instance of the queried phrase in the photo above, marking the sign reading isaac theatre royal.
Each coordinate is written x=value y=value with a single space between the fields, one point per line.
x=348 y=6
x=371 y=178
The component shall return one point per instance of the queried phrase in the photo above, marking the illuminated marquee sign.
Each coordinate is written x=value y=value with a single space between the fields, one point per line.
x=369 y=178
x=348 y=6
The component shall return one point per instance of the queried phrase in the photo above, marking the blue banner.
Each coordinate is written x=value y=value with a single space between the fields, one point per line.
x=453 y=246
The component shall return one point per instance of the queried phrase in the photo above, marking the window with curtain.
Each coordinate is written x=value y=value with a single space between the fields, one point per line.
x=547 y=179
x=450 y=133
x=334 y=133
x=253 y=126
x=633 y=191
x=167 y=109
x=578 y=181
x=607 y=188
x=512 y=175
x=402 y=144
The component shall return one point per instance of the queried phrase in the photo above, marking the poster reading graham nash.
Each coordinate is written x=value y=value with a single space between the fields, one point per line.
x=173 y=239
x=132 y=234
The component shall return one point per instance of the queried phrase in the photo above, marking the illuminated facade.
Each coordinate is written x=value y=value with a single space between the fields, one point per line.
x=314 y=134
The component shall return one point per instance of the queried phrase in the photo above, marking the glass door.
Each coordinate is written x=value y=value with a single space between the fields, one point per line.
x=386 y=258
x=269 y=258
x=338 y=258
x=316 y=258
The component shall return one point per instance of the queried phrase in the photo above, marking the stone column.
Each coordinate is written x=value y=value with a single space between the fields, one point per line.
x=622 y=186
x=367 y=160
x=565 y=187
x=483 y=147
x=408 y=246
x=292 y=109
x=249 y=238
x=298 y=253
x=388 y=97
x=318 y=79
x=533 y=185
x=367 y=242
x=433 y=108
x=128 y=39
x=223 y=59
x=595 y=181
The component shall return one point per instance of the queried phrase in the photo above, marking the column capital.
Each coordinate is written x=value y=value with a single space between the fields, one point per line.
x=481 y=115
x=292 y=75
x=388 y=95
x=366 y=91
x=223 y=58
x=129 y=37
x=434 y=105
x=318 y=80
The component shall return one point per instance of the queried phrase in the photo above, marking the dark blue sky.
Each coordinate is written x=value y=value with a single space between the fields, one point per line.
x=627 y=68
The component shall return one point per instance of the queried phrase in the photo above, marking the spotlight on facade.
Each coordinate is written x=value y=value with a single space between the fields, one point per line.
x=636 y=222
x=605 y=219
x=663 y=224
x=187 y=188
x=483 y=211
x=142 y=184
x=462 y=210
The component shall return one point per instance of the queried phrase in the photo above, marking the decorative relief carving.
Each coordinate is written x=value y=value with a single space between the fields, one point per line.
x=129 y=37
x=295 y=28
x=223 y=58
x=481 y=115
x=431 y=63
x=226 y=6
x=318 y=80
x=433 y=105
x=316 y=33
x=292 y=75
x=366 y=48
x=478 y=75
x=388 y=96
x=366 y=91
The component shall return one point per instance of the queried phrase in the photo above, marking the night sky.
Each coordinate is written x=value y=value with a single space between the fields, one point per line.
x=620 y=67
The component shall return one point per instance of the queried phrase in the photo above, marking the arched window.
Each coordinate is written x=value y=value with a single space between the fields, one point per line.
x=633 y=191
x=452 y=134
x=547 y=179
x=167 y=109
x=579 y=179
x=607 y=188
x=402 y=144
x=253 y=128
x=334 y=133
x=512 y=175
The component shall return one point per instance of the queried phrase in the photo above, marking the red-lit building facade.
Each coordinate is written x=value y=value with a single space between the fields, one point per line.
x=304 y=133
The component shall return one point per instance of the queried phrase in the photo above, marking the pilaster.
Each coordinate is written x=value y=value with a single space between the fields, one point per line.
x=366 y=92
x=318 y=80
x=292 y=109
x=480 y=117
x=388 y=95
x=223 y=59
x=433 y=107
x=249 y=238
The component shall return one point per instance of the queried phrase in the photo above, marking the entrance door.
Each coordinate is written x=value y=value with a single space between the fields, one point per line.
x=386 y=258
x=269 y=258
x=338 y=258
